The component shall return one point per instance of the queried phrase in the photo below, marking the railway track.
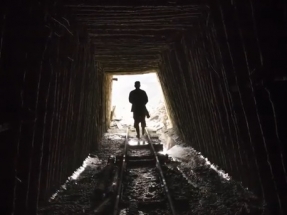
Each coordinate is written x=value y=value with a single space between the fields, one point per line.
x=140 y=184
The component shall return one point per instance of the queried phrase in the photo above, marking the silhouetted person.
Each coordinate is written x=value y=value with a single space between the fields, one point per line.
x=139 y=99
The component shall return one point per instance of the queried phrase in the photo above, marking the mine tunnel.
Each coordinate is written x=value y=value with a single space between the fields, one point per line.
x=221 y=66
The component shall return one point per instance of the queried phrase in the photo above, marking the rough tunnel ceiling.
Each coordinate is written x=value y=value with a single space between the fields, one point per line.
x=131 y=38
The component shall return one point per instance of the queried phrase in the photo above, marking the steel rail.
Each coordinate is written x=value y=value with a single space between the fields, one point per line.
x=118 y=197
x=161 y=174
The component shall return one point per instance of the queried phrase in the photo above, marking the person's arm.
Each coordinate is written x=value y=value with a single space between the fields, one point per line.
x=131 y=97
x=145 y=98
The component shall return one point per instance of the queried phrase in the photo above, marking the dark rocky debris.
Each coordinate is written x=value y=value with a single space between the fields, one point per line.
x=208 y=192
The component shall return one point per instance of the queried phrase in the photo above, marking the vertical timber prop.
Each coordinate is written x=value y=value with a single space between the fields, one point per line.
x=51 y=100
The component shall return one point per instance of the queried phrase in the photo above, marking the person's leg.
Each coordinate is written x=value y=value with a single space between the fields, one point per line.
x=143 y=124
x=138 y=130
x=136 y=125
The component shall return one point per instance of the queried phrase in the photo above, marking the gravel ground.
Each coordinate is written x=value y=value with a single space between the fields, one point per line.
x=211 y=191
x=207 y=190
x=147 y=211
x=216 y=195
x=138 y=153
x=177 y=184
x=142 y=184
x=75 y=196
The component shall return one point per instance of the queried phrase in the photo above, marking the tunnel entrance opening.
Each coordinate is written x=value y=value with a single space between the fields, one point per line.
x=121 y=108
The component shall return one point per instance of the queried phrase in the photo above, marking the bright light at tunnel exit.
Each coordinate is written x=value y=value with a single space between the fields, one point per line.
x=125 y=84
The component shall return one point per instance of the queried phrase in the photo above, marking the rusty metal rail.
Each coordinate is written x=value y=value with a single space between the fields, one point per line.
x=162 y=175
x=123 y=167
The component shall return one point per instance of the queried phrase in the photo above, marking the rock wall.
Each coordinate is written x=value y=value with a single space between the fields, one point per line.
x=226 y=88
x=51 y=91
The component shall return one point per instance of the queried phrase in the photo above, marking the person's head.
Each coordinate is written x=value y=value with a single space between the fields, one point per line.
x=137 y=84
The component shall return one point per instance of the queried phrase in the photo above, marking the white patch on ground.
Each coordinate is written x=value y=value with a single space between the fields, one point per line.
x=189 y=156
x=89 y=162
x=178 y=152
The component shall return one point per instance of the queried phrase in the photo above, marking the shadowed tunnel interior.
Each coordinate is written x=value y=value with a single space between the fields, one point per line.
x=221 y=65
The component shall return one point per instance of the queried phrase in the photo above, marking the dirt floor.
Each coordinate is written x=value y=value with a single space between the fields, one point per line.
x=202 y=187
x=189 y=177
x=76 y=196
